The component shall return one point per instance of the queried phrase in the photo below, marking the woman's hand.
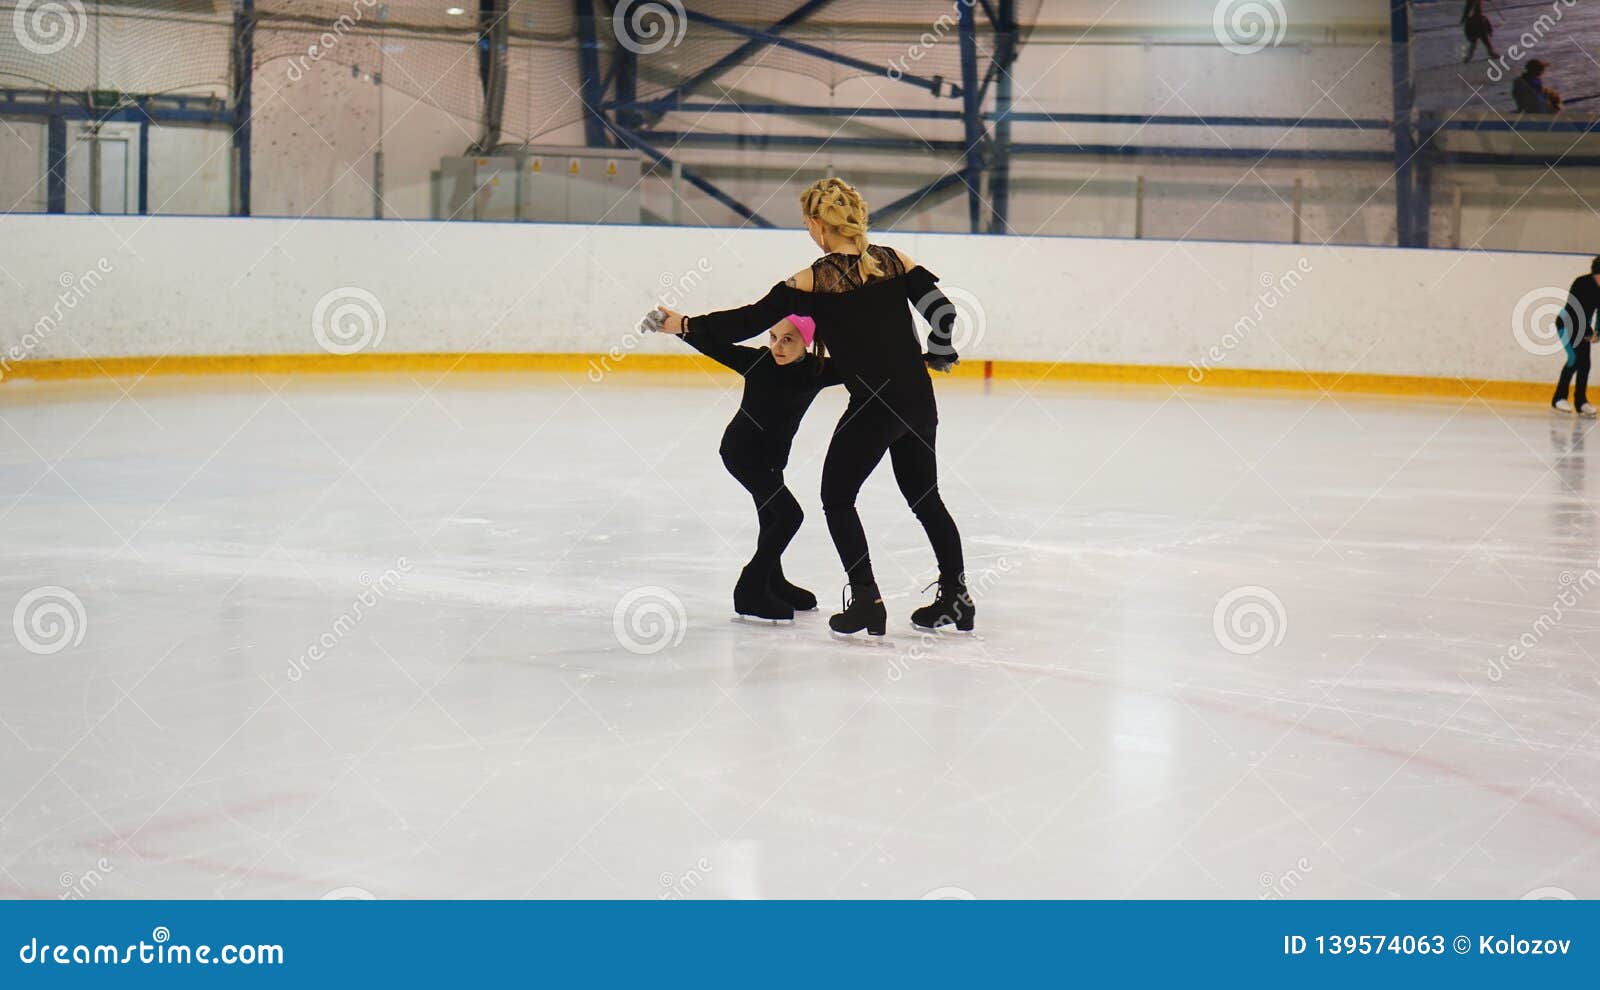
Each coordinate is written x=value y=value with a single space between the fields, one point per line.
x=662 y=320
x=671 y=320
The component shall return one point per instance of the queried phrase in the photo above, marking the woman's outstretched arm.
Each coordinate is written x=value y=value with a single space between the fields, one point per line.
x=789 y=296
x=733 y=356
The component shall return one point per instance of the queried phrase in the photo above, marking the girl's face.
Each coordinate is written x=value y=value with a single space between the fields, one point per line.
x=786 y=343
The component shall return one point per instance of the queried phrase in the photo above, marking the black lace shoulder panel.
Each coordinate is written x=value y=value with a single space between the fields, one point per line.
x=842 y=272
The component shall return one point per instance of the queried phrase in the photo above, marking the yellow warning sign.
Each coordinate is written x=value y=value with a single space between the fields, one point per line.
x=573 y=166
x=536 y=165
x=483 y=161
x=611 y=166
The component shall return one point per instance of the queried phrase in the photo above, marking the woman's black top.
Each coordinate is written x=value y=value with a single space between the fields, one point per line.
x=866 y=327
x=1578 y=322
x=775 y=398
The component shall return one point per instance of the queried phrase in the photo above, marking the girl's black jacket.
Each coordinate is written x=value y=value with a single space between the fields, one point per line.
x=775 y=398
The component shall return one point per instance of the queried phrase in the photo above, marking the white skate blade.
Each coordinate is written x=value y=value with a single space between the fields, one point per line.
x=756 y=620
x=861 y=639
x=948 y=629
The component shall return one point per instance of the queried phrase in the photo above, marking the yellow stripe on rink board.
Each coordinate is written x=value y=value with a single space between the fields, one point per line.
x=1252 y=379
x=597 y=366
x=336 y=364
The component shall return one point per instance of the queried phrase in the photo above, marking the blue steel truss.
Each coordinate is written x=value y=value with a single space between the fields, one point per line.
x=614 y=115
x=986 y=147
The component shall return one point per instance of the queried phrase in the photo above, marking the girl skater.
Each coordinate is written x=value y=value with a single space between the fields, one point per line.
x=1478 y=28
x=858 y=293
x=780 y=381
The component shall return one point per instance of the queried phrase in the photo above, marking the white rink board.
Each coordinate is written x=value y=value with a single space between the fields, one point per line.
x=222 y=286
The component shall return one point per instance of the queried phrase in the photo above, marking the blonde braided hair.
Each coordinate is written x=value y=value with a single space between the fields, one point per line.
x=843 y=212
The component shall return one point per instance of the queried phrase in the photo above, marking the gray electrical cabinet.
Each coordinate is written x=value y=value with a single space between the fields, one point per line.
x=622 y=175
x=541 y=183
x=483 y=188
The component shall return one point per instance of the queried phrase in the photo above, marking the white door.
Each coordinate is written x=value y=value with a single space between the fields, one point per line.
x=103 y=168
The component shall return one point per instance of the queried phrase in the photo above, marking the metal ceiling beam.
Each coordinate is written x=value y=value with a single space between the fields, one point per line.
x=746 y=50
x=590 y=88
x=1005 y=54
x=243 y=68
x=885 y=217
x=971 y=114
x=816 y=143
x=1028 y=116
x=1317 y=123
x=704 y=185
x=655 y=105
x=936 y=84
x=156 y=108
x=1405 y=149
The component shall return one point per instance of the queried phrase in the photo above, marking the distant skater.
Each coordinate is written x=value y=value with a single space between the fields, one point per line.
x=1529 y=92
x=1577 y=329
x=1478 y=28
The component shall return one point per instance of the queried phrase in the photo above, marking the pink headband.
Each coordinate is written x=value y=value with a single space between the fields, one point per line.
x=805 y=324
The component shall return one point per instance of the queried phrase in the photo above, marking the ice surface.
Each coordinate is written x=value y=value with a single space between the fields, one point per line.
x=1560 y=32
x=478 y=727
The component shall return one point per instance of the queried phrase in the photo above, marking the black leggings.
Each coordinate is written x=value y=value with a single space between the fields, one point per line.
x=777 y=511
x=859 y=442
x=1580 y=366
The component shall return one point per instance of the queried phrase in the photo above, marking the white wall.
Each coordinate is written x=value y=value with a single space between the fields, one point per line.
x=219 y=286
x=189 y=169
x=22 y=166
